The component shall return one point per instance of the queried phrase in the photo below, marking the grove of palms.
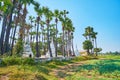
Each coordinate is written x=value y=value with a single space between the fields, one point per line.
x=42 y=29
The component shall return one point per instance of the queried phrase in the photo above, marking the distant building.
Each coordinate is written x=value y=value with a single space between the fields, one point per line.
x=83 y=53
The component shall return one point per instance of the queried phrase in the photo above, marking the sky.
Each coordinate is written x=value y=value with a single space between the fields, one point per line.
x=102 y=15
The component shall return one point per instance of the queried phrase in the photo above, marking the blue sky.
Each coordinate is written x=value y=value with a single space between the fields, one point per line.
x=103 y=15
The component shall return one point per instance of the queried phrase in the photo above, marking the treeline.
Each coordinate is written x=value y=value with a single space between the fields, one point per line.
x=41 y=29
x=112 y=53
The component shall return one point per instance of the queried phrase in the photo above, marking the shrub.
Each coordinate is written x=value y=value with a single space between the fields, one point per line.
x=16 y=61
x=10 y=61
x=29 y=61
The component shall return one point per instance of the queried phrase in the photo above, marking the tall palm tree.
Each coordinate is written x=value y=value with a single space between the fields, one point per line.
x=70 y=29
x=13 y=38
x=3 y=14
x=42 y=23
x=48 y=15
x=3 y=33
x=9 y=26
x=72 y=37
x=16 y=21
x=56 y=14
x=88 y=34
x=39 y=13
x=63 y=19
x=63 y=26
x=37 y=46
x=94 y=39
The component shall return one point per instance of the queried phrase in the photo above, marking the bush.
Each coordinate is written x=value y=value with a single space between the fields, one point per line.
x=16 y=61
x=18 y=48
x=10 y=61
x=82 y=58
x=29 y=61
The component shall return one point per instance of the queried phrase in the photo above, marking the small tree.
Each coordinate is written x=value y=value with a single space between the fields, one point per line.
x=96 y=50
x=87 y=45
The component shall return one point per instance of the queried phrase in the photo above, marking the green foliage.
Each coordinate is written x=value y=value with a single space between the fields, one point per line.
x=97 y=49
x=82 y=58
x=107 y=69
x=33 y=45
x=17 y=61
x=28 y=61
x=88 y=69
x=87 y=44
x=11 y=61
x=18 y=49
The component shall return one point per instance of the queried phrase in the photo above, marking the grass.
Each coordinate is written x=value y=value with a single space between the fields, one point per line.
x=106 y=69
x=89 y=68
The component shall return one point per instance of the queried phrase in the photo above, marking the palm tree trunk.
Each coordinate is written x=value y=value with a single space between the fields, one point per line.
x=13 y=40
x=3 y=34
x=42 y=38
x=93 y=46
x=48 y=39
x=37 y=46
x=6 y=45
x=95 y=43
x=44 y=46
x=73 y=48
x=56 y=40
x=63 y=48
x=67 y=51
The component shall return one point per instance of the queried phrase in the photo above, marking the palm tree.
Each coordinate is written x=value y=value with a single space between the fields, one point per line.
x=37 y=46
x=85 y=35
x=39 y=13
x=48 y=14
x=88 y=34
x=63 y=19
x=56 y=14
x=42 y=23
x=13 y=38
x=63 y=26
x=72 y=37
x=93 y=36
x=9 y=26
x=3 y=33
x=3 y=14
x=89 y=31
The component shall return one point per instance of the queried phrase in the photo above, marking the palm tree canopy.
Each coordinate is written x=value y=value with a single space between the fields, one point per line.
x=94 y=35
x=56 y=13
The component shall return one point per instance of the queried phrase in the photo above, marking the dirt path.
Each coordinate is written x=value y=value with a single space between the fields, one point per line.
x=66 y=70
